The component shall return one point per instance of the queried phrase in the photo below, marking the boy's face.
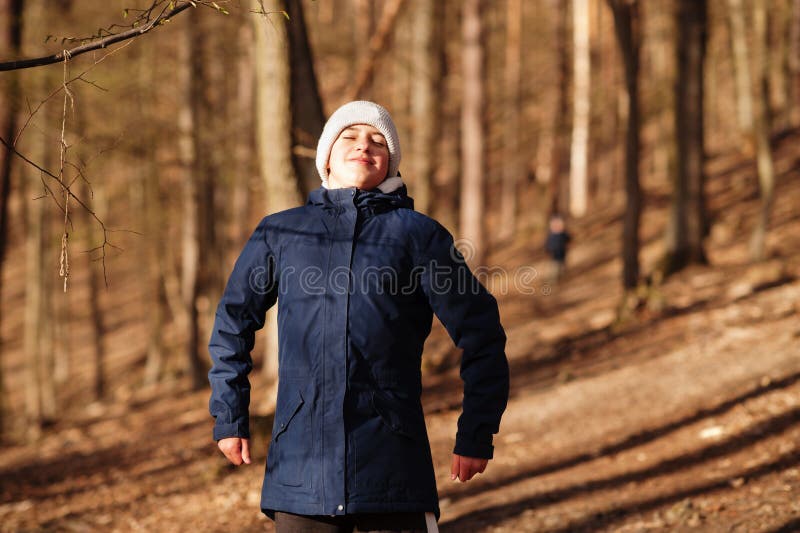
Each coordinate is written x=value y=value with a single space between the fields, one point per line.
x=359 y=158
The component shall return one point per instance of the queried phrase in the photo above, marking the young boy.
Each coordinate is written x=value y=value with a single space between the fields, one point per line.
x=357 y=275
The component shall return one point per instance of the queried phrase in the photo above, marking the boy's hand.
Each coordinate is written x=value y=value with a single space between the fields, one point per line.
x=463 y=468
x=237 y=450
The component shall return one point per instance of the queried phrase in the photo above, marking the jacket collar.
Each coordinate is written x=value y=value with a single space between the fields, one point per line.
x=372 y=201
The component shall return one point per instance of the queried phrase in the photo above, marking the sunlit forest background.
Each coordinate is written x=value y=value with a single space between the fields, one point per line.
x=654 y=385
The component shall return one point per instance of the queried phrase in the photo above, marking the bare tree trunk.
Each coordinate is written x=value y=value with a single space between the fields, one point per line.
x=156 y=266
x=661 y=73
x=578 y=186
x=34 y=296
x=794 y=60
x=766 y=172
x=741 y=67
x=242 y=114
x=308 y=117
x=425 y=107
x=556 y=184
x=688 y=224
x=472 y=139
x=626 y=29
x=153 y=220
x=273 y=140
x=781 y=65
x=10 y=40
x=99 y=205
x=513 y=160
x=191 y=147
x=363 y=23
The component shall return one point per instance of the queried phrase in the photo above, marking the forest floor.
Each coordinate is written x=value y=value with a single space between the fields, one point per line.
x=685 y=417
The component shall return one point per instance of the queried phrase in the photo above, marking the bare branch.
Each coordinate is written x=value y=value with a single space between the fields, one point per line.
x=68 y=194
x=163 y=17
x=33 y=111
x=377 y=43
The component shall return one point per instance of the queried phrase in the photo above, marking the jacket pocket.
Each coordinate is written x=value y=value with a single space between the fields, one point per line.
x=399 y=418
x=290 y=447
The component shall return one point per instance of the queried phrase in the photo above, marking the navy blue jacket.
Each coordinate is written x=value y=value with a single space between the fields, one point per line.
x=357 y=276
x=556 y=244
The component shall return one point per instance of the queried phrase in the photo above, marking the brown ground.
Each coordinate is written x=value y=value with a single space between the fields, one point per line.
x=684 y=418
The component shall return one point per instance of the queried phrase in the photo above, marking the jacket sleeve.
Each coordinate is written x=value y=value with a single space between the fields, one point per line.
x=250 y=291
x=470 y=315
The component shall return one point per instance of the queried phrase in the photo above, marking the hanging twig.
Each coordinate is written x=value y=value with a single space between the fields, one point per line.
x=32 y=112
x=69 y=195
x=64 y=261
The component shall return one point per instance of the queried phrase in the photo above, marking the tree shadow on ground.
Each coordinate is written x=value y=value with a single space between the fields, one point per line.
x=610 y=516
x=644 y=437
x=87 y=470
x=792 y=526
x=498 y=513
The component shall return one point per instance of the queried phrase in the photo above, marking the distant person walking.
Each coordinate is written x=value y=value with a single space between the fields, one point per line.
x=556 y=245
x=357 y=275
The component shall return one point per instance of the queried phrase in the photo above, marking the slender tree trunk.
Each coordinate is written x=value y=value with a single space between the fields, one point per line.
x=156 y=266
x=781 y=64
x=273 y=140
x=472 y=139
x=626 y=29
x=242 y=114
x=578 y=186
x=688 y=224
x=363 y=25
x=96 y=288
x=308 y=118
x=34 y=296
x=513 y=160
x=794 y=60
x=558 y=164
x=10 y=40
x=766 y=172
x=741 y=67
x=191 y=155
x=425 y=106
x=154 y=223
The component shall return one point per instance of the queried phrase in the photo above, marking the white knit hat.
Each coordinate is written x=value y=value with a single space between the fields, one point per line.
x=358 y=112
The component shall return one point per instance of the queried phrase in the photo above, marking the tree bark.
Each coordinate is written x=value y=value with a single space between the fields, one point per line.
x=425 y=106
x=156 y=266
x=273 y=139
x=741 y=67
x=377 y=44
x=626 y=30
x=472 y=139
x=34 y=300
x=513 y=161
x=11 y=40
x=578 y=186
x=794 y=60
x=155 y=222
x=363 y=22
x=688 y=224
x=191 y=154
x=308 y=118
x=764 y=164
x=558 y=158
